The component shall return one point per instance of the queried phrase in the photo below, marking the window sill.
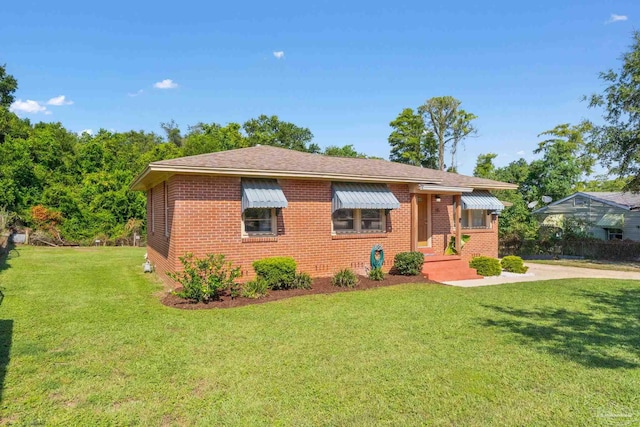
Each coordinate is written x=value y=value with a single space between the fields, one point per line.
x=259 y=239
x=347 y=236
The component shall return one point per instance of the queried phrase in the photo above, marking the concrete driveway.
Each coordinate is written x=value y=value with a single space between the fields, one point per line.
x=546 y=272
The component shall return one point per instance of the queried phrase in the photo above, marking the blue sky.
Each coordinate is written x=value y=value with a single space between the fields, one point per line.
x=342 y=69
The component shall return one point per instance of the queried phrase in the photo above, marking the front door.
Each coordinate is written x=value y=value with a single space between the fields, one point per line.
x=423 y=220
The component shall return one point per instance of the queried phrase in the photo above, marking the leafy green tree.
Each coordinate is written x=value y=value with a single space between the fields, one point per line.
x=618 y=140
x=410 y=141
x=8 y=86
x=566 y=160
x=345 y=151
x=484 y=166
x=209 y=138
x=602 y=183
x=270 y=130
x=450 y=125
x=172 y=131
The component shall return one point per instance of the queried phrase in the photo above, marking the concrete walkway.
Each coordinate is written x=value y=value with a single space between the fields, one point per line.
x=546 y=272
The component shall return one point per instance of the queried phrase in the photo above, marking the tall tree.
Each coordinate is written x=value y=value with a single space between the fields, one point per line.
x=208 y=138
x=172 y=131
x=485 y=167
x=345 y=151
x=449 y=123
x=8 y=85
x=618 y=140
x=410 y=141
x=270 y=130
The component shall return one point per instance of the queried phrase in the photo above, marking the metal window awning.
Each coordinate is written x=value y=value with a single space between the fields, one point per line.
x=262 y=193
x=611 y=221
x=351 y=195
x=482 y=200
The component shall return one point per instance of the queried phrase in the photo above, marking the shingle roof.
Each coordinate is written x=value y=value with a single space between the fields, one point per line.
x=627 y=199
x=281 y=162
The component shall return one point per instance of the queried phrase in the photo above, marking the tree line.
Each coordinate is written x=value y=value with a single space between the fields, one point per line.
x=75 y=188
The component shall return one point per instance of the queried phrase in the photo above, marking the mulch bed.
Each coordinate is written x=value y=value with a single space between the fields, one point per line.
x=321 y=285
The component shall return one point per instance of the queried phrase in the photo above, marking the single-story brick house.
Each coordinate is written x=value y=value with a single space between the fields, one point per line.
x=326 y=212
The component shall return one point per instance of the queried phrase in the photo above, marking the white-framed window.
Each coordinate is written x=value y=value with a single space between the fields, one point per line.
x=475 y=218
x=358 y=221
x=614 y=233
x=153 y=211
x=166 y=209
x=259 y=222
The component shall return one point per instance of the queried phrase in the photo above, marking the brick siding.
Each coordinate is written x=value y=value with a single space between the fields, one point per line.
x=205 y=217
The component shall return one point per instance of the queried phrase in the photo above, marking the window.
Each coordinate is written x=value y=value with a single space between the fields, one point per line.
x=579 y=202
x=359 y=221
x=259 y=221
x=475 y=218
x=166 y=209
x=614 y=233
x=153 y=212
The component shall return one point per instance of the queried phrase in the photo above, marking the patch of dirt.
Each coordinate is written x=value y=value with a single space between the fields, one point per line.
x=320 y=285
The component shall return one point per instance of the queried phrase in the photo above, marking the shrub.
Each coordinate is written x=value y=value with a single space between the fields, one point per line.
x=255 y=289
x=486 y=266
x=301 y=281
x=204 y=279
x=376 y=274
x=345 y=278
x=278 y=272
x=408 y=263
x=513 y=264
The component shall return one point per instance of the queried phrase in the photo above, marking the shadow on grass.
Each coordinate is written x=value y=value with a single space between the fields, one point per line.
x=6 y=253
x=6 y=333
x=606 y=335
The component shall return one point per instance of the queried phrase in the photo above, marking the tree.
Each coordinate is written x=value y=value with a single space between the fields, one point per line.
x=450 y=125
x=485 y=167
x=410 y=141
x=172 y=131
x=209 y=138
x=618 y=140
x=269 y=130
x=345 y=151
x=8 y=85
x=566 y=160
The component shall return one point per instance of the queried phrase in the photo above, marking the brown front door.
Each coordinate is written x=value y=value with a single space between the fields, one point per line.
x=423 y=220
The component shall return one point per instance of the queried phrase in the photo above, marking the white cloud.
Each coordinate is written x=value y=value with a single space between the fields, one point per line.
x=29 y=106
x=521 y=153
x=59 y=100
x=616 y=18
x=166 y=84
x=279 y=54
x=134 y=94
x=87 y=131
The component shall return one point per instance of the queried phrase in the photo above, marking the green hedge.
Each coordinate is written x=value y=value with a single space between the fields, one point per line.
x=408 y=263
x=277 y=272
x=486 y=266
x=513 y=264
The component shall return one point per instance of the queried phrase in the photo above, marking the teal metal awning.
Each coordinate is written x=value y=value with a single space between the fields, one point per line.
x=611 y=220
x=262 y=193
x=482 y=200
x=351 y=195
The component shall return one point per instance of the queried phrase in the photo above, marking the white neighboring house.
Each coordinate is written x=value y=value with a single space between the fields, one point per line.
x=609 y=215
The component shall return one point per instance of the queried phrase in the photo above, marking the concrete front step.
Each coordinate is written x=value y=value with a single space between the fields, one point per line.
x=442 y=268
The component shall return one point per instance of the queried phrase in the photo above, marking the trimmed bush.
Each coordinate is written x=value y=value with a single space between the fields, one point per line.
x=301 y=281
x=513 y=264
x=486 y=266
x=255 y=289
x=278 y=272
x=376 y=274
x=204 y=279
x=345 y=278
x=408 y=263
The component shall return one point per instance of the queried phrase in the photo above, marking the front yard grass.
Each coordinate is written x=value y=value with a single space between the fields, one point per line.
x=84 y=341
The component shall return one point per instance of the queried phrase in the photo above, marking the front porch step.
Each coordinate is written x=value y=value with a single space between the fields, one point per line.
x=444 y=268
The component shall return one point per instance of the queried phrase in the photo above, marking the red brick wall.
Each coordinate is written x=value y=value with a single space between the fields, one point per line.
x=205 y=217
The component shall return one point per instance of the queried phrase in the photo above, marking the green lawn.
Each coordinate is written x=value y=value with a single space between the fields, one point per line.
x=86 y=342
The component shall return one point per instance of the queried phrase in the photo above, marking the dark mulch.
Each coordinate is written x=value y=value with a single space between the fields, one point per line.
x=321 y=285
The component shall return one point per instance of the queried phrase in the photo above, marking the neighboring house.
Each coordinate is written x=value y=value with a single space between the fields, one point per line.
x=606 y=215
x=326 y=212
